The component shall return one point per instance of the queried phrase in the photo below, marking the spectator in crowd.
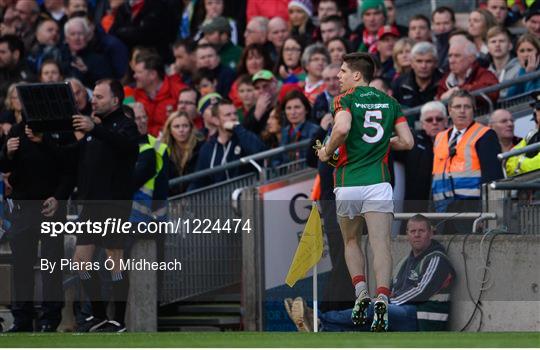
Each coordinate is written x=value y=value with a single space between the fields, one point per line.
x=54 y=9
x=502 y=122
x=37 y=199
x=373 y=14
x=156 y=91
x=218 y=33
x=206 y=56
x=401 y=55
x=420 y=28
x=46 y=46
x=327 y=8
x=256 y=31
x=277 y=34
x=388 y=36
x=136 y=23
x=418 y=161
x=289 y=67
x=12 y=67
x=419 y=304
x=231 y=143
x=129 y=78
x=529 y=161
x=480 y=21
x=246 y=94
x=266 y=93
x=77 y=59
x=82 y=100
x=205 y=110
x=528 y=54
x=499 y=10
x=332 y=27
x=300 y=13
x=465 y=73
x=184 y=144
x=391 y=18
x=443 y=22
x=205 y=81
x=321 y=107
x=207 y=11
x=50 y=72
x=381 y=85
x=12 y=113
x=105 y=164
x=314 y=59
x=419 y=86
x=532 y=20
x=184 y=64
x=465 y=157
x=260 y=8
x=74 y=6
x=337 y=47
x=187 y=103
x=254 y=58
x=271 y=136
x=502 y=64
x=28 y=14
x=297 y=109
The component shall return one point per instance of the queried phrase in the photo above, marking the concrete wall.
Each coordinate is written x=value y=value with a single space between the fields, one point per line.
x=511 y=299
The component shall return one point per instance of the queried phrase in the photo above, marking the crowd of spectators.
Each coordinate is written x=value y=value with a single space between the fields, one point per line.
x=183 y=63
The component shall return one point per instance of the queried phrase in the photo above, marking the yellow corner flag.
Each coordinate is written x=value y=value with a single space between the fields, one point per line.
x=309 y=249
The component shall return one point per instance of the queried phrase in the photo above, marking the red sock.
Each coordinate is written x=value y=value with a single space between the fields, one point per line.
x=384 y=291
x=357 y=279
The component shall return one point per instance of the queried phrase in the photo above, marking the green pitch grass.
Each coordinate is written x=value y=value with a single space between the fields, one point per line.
x=274 y=339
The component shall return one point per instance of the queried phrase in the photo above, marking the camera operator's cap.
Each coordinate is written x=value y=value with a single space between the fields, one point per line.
x=218 y=24
x=533 y=10
x=263 y=75
x=207 y=101
x=373 y=5
x=387 y=30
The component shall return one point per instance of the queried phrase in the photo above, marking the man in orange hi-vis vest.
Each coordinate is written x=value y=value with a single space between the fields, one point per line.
x=465 y=156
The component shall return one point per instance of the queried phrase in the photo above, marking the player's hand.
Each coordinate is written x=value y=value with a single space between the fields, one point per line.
x=394 y=141
x=323 y=155
x=37 y=137
x=83 y=124
x=12 y=146
x=50 y=205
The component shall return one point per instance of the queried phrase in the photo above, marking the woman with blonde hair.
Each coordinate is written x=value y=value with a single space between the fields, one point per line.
x=480 y=21
x=401 y=55
x=180 y=135
x=13 y=111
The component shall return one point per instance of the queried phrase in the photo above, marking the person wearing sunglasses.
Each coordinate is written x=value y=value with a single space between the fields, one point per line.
x=418 y=161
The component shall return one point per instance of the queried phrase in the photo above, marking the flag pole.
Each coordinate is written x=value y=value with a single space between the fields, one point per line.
x=315 y=301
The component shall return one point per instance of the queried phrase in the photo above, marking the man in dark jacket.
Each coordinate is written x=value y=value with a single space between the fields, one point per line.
x=231 y=143
x=418 y=161
x=107 y=151
x=12 y=64
x=421 y=286
x=419 y=86
x=40 y=180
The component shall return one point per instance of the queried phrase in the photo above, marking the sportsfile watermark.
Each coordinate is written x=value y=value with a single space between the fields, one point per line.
x=119 y=226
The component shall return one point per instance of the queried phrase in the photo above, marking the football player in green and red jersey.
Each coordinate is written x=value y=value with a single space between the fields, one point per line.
x=367 y=123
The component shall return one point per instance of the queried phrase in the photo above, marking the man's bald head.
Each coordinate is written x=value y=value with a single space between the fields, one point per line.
x=502 y=122
x=277 y=31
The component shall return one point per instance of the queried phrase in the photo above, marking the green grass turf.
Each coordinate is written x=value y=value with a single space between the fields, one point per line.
x=274 y=339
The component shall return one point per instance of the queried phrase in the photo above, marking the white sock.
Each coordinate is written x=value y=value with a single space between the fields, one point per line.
x=359 y=287
x=384 y=297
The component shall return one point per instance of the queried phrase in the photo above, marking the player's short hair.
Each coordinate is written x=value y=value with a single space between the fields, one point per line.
x=361 y=62
x=421 y=218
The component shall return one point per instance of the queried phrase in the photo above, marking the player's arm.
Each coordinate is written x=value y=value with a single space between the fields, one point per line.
x=340 y=130
x=404 y=140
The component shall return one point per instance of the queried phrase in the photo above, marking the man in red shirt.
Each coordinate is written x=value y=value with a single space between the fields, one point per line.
x=156 y=91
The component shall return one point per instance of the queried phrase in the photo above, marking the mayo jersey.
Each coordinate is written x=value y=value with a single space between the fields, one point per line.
x=363 y=158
